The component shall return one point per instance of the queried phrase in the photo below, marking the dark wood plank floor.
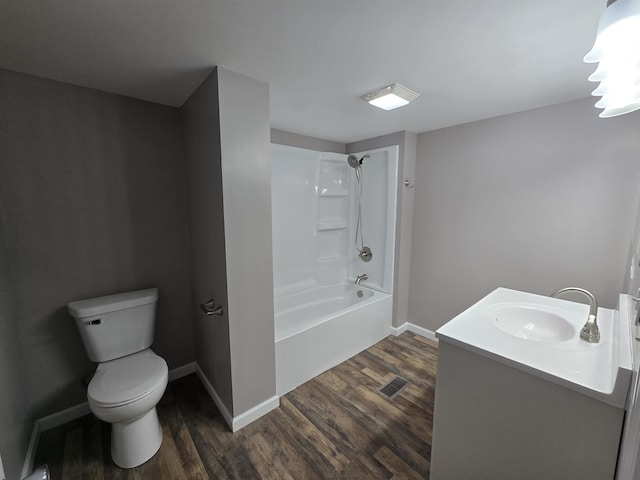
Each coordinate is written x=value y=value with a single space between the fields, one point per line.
x=336 y=426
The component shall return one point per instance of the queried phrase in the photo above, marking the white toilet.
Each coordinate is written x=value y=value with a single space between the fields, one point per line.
x=117 y=331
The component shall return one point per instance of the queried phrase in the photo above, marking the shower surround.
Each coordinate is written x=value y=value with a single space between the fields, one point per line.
x=321 y=316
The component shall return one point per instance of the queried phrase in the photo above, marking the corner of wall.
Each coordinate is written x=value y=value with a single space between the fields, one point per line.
x=281 y=137
x=201 y=126
x=246 y=174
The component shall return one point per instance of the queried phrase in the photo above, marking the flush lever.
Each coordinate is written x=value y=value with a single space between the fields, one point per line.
x=210 y=308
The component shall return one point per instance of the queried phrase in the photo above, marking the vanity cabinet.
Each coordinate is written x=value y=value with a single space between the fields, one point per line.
x=520 y=396
x=496 y=422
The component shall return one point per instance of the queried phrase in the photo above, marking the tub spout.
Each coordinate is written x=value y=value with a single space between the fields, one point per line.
x=360 y=278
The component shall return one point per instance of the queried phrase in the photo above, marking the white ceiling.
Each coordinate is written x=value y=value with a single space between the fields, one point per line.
x=468 y=59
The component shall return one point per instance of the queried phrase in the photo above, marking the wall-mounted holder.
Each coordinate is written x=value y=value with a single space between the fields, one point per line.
x=210 y=308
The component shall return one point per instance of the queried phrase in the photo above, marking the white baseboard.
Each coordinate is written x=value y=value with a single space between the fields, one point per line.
x=215 y=397
x=424 y=332
x=182 y=371
x=30 y=456
x=82 y=409
x=254 y=413
x=47 y=423
x=244 y=419
x=72 y=413
x=60 y=418
x=395 y=331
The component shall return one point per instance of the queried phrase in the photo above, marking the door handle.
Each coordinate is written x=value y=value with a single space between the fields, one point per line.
x=210 y=308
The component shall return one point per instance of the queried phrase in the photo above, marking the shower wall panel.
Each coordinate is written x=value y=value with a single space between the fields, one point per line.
x=293 y=200
x=314 y=216
x=379 y=192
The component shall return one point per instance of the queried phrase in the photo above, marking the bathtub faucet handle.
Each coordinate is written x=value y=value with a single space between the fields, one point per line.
x=360 y=278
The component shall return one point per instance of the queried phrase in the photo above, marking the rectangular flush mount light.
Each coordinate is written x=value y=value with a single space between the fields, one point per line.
x=390 y=97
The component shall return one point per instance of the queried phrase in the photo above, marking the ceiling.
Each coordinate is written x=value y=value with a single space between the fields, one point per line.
x=468 y=59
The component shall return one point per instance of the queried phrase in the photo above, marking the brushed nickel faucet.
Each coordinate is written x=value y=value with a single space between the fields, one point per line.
x=590 y=331
x=360 y=278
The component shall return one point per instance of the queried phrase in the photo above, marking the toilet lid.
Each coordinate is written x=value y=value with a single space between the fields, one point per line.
x=127 y=379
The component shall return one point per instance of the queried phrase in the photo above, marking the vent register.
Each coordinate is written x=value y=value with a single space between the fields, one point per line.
x=393 y=387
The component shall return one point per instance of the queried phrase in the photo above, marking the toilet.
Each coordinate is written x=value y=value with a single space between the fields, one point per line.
x=117 y=331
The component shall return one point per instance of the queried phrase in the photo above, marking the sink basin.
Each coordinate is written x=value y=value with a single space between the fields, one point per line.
x=531 y=323
x=539 y=335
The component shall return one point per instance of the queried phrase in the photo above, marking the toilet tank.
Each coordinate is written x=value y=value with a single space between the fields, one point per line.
x=116 y=325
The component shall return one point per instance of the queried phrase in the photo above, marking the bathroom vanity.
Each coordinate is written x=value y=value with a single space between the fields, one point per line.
x=520 y=396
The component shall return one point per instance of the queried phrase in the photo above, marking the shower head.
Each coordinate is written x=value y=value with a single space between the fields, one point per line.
x=353 y=161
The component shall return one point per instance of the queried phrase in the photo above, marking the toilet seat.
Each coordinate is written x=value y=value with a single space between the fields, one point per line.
x=125 y=380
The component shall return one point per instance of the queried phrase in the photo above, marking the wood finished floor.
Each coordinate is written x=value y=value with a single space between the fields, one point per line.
x=336 y=426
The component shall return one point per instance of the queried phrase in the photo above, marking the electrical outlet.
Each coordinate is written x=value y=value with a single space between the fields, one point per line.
x=2 y=476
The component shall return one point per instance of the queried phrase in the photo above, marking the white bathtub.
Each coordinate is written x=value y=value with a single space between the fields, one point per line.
x=318 y=329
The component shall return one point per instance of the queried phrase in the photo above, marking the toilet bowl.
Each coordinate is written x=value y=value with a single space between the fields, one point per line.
x=125 y=392
x=117 y=331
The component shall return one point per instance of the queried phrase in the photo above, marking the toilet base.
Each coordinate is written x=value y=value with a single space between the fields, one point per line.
x=135 y=442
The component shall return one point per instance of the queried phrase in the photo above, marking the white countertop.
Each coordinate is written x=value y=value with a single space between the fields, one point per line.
x=599 y=370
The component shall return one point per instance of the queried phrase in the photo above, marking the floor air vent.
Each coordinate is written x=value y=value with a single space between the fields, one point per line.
x=393 y=387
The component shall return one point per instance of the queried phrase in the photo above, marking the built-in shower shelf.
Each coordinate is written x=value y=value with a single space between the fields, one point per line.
x=332 y=224
x=333 y=192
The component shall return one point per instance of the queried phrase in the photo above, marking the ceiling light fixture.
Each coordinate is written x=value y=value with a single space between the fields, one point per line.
x=617 y=50
x=390 y=97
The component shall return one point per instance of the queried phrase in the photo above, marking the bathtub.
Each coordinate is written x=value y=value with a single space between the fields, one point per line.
x=319 y=328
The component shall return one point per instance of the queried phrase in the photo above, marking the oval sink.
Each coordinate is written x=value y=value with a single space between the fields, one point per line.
x=531 y=323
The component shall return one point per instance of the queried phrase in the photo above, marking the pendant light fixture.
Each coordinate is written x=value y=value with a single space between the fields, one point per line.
x=617 y=52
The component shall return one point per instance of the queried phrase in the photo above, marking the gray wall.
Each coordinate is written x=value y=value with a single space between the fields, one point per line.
x=533 y=201
x=404 y=214
x=246 y=172
x=227 y=136
x=302 y=141
x=15 y=411
x=93 y=192
x=201 y=122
